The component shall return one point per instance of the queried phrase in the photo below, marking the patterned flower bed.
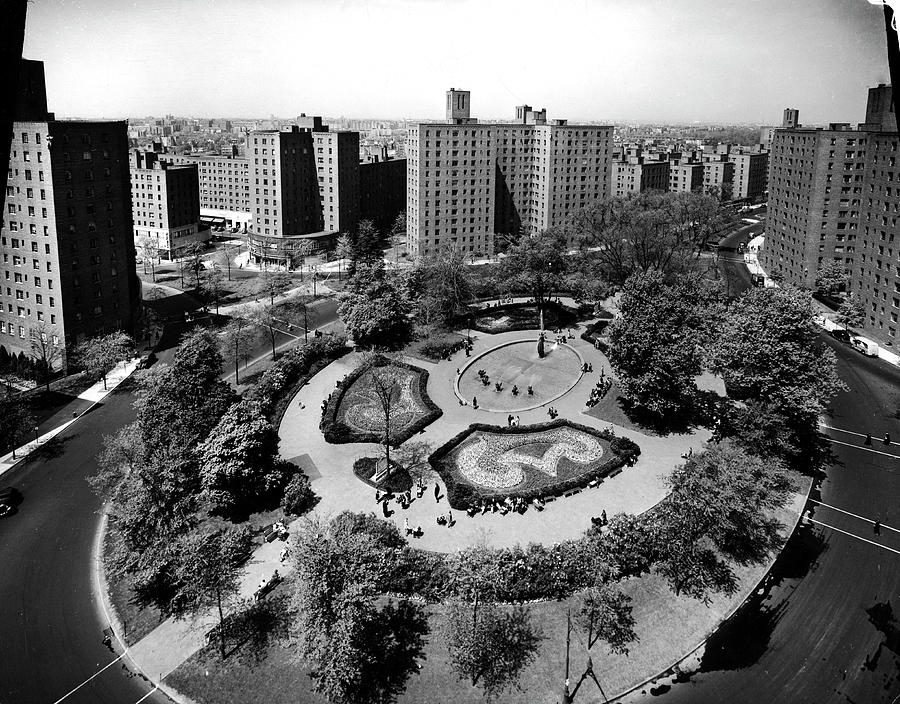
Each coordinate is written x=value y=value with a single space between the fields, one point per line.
x=488 y=461
x=354 y=412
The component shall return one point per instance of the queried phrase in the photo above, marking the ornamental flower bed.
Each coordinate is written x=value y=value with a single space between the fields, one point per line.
x=493 y=462
x=353 y=412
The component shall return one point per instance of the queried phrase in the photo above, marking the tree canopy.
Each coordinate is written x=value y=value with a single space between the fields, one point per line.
x=374 y=310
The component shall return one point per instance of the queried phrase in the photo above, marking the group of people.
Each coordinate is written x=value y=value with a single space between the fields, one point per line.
x=512 y=421
x=601 y=520
x=552 y=412
x=483 y=376
x=601 y=388
x=504 y=506
x=588 y=368
x=887 y=439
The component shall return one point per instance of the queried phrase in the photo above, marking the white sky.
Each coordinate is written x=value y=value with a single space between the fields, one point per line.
x=608 y=60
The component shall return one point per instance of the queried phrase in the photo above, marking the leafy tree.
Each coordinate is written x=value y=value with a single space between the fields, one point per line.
x=537 y=264
x=239 y=460
x=149 y=252
x=720 y=508
x=771 y=357
x=368 y=245
x=274 y=282
x=213 y=285
x=489 y=647
x=851 y=314
x=357 y=652
x=831 y=277
x=605 y=614
x=99 y=355
x=46 y=352
x=224 y=257
x=374 y=311
x=16 y=423
x=237 y=343
x=343 y=250
x=656 y=343
x=267 y=318
x=445 y=286
x=208 y=572
x=399 y=225
x=192 y=260
x=299 y=498
x=302 y=249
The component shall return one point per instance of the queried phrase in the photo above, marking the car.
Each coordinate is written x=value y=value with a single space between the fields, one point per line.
x=841 y=335
x=9 y=499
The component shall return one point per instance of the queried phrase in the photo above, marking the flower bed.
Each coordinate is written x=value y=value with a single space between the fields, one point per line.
x=487 y=462
x=353 y=411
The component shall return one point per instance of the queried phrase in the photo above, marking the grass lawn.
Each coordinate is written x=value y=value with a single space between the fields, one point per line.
x=610 y=409
x=668 y=627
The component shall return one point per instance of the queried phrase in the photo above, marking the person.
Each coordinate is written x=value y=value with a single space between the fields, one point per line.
x=509 y=420
x=385 y=510
x=284 y=554
x=530 y=391
x=406 y=526
x=377 y=496
x=868 y=440
x=517 y=421
x=515 y=390
x=877 y=527
x=437 y=492
x=474 y=402
x=450 y=520
x=590 y=368
x=887 y=438
x=603 y=519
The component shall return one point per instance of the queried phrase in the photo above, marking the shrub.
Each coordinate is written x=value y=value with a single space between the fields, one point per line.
x=299 y=498
x=441 y=348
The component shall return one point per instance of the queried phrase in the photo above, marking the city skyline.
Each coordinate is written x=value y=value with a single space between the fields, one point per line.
x=734 y=63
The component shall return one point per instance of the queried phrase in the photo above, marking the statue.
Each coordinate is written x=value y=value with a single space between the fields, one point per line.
x=540 y=346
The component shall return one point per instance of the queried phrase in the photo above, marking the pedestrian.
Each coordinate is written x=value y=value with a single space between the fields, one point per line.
x=603 y=519
x=868 y=440
x=517 y=421
x=437 y=493
x=509 y=420
x=406 y=527
x=450 y=520
x=474 y=402
x=877 y=527
x=887 y=438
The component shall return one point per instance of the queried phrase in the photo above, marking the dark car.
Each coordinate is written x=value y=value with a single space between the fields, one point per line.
x=841 y=335
x=9 y=499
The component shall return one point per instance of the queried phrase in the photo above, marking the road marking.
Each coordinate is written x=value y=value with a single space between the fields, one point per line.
x=147 y=694
x=89 y=679
x=864 y=448
x=855 y=515
x=841 y=430
x=852 y=535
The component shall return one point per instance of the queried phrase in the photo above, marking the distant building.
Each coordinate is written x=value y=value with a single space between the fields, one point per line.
x=66 y=246
x=750 y=174
x=718 y=175
x=834 y=196
x=467 y=181
x=382 y=192
x=165 y=204
x=224 y=186
x=685 y=177
x=637 y=175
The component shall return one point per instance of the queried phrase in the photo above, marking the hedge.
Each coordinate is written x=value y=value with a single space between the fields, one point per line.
x=441 y=348
x=462 y=495
x=292 y=370
x=338 y=432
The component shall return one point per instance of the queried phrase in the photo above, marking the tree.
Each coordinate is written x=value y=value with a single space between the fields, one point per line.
x=399 y=225
x=374 y=311
x=831 y=277
x=149 y=253
x=266 y=317
x=298 y=498
x=274 y=282
x=851 y=314
x=99 y=355
x=656 y=343
x=605 y=614
x=771 y=358
x=208 y=572
x=237 y=343
x=213 y=287
x=538 y=264
x=445 y=285
x=343 y=250
x=489 y=647
x=368 y=245
x=46 y=352
x=302 y=249
x=356 y=651
x=720 y=508
x=16 y=423
x=386 y=387
x=192 y=260
x=224 y=256
x=239 y=460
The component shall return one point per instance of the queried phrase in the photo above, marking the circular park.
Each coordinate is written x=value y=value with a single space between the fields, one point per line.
x=520 y=375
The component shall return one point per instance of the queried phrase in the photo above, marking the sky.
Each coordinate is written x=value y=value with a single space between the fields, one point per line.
x=731 y=61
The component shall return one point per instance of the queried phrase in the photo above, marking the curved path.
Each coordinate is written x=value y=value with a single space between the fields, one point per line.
x=329 y=466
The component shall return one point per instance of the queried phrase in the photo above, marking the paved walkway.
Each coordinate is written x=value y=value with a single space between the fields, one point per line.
x=329 y=466
x=82 y=404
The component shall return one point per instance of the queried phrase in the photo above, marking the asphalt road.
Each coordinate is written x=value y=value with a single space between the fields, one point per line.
x=50 y=628
x=731 y=261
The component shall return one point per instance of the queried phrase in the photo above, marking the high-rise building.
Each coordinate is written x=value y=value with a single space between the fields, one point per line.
x=467 y=180
x=224 y=186
x=382 y=192
x=637 y=174
x=66 y=243
x=718 y=175
x=165 y=204
x=834 y=195
x=750 y=175
x=685 y=177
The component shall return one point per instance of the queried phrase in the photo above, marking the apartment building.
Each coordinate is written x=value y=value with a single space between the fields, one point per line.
x=165 y=205
x=639 y=174
x=718 y=175
x=66 y=241
x=467 y=180
x=223 y=185
x=834 y=194
x=750 y=176
x=382 y=192
x=685 y=177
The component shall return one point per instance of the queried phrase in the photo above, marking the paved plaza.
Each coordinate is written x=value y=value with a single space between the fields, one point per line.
x=330 y=467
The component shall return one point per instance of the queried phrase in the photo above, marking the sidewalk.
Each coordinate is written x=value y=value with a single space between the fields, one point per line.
x=73 y=411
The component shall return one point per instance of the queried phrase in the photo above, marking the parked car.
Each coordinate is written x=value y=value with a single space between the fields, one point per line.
x=841 y=335
x=9 y=499
x=865 y=345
